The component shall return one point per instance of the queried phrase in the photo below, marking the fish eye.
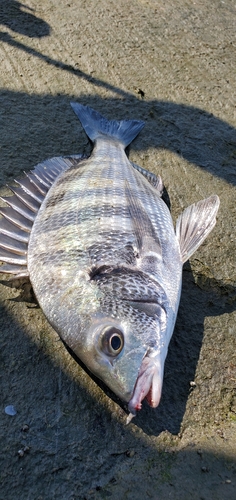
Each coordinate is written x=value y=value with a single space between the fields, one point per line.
x=112 y=341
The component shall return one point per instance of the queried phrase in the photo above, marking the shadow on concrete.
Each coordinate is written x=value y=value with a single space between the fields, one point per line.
x=29 y=135
x=35 y=127
x=20 y=19
x=74 y=444
x=192 y=133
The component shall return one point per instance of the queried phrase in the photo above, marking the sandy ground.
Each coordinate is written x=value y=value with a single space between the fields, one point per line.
x=171 y=63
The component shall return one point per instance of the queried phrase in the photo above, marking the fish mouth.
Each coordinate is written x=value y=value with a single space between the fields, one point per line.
x=148 y=385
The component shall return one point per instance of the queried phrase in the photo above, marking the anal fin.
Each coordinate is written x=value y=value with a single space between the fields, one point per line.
x=155 y=180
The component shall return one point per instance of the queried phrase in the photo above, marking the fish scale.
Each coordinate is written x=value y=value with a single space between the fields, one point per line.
x=98 y=244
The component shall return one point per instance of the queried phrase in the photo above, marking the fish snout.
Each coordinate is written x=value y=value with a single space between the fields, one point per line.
x=148 y=385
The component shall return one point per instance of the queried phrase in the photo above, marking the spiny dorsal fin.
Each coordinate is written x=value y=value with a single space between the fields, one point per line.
x=18 y=217
x=148 y=244
x=194 y=225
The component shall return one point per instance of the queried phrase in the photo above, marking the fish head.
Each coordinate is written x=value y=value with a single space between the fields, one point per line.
x=113 y=352
x=124 y=343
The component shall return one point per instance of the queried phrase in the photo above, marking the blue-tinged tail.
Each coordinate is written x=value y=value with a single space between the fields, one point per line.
x=95 y=125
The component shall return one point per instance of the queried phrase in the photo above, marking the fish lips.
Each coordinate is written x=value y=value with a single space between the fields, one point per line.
x=148 y=384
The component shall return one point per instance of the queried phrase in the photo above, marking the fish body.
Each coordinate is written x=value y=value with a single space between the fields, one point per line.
x=103 y=257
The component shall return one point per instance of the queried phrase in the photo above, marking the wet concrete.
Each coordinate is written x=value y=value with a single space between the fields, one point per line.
x=171 y=64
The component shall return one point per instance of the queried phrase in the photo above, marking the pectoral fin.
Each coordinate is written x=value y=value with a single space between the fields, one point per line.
x=194 y=225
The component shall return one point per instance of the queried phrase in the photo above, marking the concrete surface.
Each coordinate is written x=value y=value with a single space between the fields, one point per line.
x=172 y=64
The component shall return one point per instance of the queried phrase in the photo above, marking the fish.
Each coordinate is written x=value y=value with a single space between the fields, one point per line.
x=98 y=244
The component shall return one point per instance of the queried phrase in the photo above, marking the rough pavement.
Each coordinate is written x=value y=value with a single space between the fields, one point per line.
x=172 y=64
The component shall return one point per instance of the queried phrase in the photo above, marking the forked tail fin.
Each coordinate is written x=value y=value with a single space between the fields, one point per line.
x=95 y=125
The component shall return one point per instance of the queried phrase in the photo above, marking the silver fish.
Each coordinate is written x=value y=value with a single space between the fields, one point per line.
x=98 y=244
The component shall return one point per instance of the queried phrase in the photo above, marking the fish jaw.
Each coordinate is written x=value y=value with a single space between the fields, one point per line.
x=121 y=375
x=148 y=384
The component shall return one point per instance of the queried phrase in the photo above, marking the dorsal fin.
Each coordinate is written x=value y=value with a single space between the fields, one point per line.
x=18 y=217
x=149 y=246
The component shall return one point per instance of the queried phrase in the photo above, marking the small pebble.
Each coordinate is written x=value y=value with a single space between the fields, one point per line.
x=130 y=453
x=220 y=432
x=23 y=451
x=25 y=427
x=10 y=410
x=228 y=481
x=192 y=383
x=141 y=93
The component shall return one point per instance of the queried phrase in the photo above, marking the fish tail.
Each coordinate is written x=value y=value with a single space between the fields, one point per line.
x=95 y=125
